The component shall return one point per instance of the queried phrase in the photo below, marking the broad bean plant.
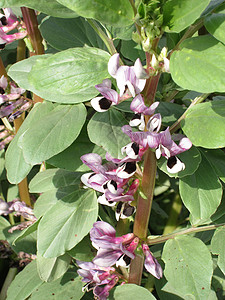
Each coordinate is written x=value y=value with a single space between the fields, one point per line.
x=112 y=162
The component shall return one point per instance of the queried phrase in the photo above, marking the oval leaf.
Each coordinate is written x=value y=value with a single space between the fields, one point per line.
x=188 y=260
x=76 y=214
x=218 y=247
x=16 y=166
x=209 y=119
x=201 y=192
x=62 y=34
x=104 y=129
x=30 y=279
x=67 y=287
x=125 y=291
x=215 y=24
x=50 y=269
x=53 y=179
x=52 y=133
x=196 y=54
x=178 y=15
x=69 y=76
x=116 y=12
x=53 y=8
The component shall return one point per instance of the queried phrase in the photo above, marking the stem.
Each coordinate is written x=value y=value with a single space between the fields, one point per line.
x=174 y=213
x=30 y=20
x=7 y=124
x=191 y=30
x=197 y=100
x=136 y=269
x=9 y=278
x=162 y=239
x=107 y=41
x=144 y=204
x=2 y=69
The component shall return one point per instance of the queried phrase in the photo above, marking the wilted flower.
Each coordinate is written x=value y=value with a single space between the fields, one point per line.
x=151 y=264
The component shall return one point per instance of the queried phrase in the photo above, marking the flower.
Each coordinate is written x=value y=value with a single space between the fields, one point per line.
x=111 y=249
x=109 y=97
x=109 y=178
x=9 y=22
x=151 y=264
x=99 y=279
x=126 y=77
x=140 y=109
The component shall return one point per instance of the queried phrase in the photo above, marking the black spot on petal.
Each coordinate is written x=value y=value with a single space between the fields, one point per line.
x=2 y=91
x=105 y=103
x=136 y=117
x=128 y=210
x=4 y=21
x=2 y=46
x=171 y=162
x=130 y=167
x=113 y=182
x=119 y=207
x=127 y=259
x=135 y=148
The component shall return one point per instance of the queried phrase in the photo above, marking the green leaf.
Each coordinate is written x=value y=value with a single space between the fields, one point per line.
x=45 y=202
x=67 y=287
x=67 y=160
x=217 y=159
x=215 y=24
x=83 y=251
x=69 y=76
x=53 y=8
x=123 y=33
x=218 y=247
x=27 y=244
x=50 y=269
x=25 y=232
x=104 y=129
x=52 y=133
x=196 y=66
x=16 y=166
x=204 y=124
x=53 y=179
x=170 y=112
x=24 y=283
x=179 y=14
x=3 y=224
x=117 y=12
x=201 y=192
x=62 y=34
x=132 y=50
x=190 y=158
x=76 y=214
x=188 y=260
x=127 y=291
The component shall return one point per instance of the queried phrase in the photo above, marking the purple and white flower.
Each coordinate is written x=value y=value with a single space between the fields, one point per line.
x=109 y=97
x=126 y=77
x=151 y=264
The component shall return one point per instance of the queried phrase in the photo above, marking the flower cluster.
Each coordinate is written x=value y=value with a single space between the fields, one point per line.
x=12 y=104
x=18 y=208
x=131 y=82
x=9 y=22
x=112 y=179
x=99 y=274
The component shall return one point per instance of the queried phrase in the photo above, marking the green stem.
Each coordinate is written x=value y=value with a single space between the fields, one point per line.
x=162 y=239
x=191 y=30
x=197 y=100
x=174 y=214
x=9 y=278
x=7 y=124
x=107 y=41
